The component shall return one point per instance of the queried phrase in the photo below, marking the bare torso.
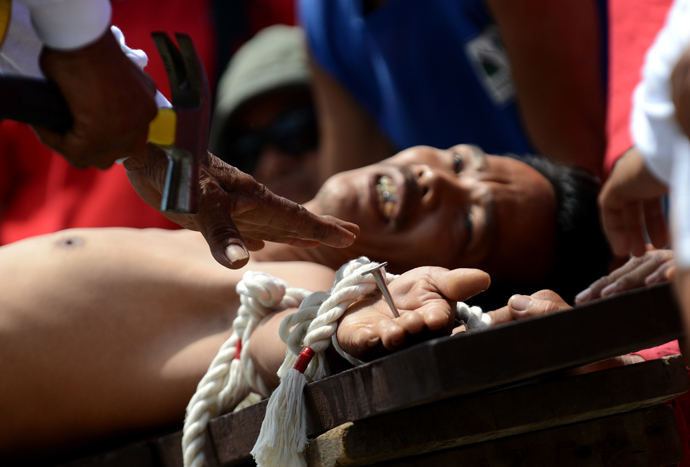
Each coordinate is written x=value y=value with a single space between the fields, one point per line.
x=140 y=313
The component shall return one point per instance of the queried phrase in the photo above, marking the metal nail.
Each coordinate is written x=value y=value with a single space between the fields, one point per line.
x=379 y=273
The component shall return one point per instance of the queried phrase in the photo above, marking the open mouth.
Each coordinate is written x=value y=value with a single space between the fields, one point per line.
x=387 y=193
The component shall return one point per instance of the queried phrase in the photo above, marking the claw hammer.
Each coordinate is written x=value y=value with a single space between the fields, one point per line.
x=181 y=131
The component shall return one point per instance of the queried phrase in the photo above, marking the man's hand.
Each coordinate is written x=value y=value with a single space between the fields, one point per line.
x=111 y=100
x=630 y=201
x=654 y=267
x=425 y=297
x=236 y=213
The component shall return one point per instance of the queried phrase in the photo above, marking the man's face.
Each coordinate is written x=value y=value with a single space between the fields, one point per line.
x=452 y=208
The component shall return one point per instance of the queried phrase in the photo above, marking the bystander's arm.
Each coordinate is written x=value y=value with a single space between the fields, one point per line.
x=350 y=138
x=554 y=52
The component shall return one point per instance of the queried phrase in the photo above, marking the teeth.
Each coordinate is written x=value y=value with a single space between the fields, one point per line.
x=388 y=195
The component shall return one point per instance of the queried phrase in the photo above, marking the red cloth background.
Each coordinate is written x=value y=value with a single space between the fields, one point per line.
x=633 y=25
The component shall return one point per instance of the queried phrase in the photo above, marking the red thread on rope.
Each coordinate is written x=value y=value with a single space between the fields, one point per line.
x=303 y=360
x=238 y=350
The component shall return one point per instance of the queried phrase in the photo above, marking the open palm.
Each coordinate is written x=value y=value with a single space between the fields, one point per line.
x=425 y=298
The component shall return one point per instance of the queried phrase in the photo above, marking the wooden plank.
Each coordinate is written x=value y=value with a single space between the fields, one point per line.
x=645 y=438
x=472 y=419
x=461 y=365
x=468 y=363
x=169 y=450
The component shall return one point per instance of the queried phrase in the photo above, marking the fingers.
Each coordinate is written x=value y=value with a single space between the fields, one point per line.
x=254 y=208
x=426 y=300
x=283 y=221
x=539 y=303
x=630 y=204
x=395 y=333
x=227 y=245
x=236 y=213
x=433 y=318
x=655 y=222
x=664 y=273
x=636 y=267
x=653 y=267
x=215 y=222
x=363 y=340
x=460 y=284
x=341 y=240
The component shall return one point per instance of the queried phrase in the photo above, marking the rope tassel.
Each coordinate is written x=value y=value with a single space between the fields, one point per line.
x=307 y=333
x=276 y=444
x=231 y=375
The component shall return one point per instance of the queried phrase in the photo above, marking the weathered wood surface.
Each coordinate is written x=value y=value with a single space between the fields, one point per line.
x=472 y=419
x=459 y=365
x=646 y=438
x=464 y=364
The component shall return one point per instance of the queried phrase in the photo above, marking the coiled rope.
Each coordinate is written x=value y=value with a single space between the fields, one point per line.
x=231 y=376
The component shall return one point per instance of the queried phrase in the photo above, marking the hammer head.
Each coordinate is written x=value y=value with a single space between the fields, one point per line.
x=190 y=99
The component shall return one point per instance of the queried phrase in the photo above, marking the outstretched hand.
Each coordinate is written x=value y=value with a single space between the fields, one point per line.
x=236 y=213
x=654 y=267
x=630 y=203
x=425 y=298
x=111 y=100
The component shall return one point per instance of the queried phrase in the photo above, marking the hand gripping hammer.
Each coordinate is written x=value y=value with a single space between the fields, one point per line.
x=181 y=131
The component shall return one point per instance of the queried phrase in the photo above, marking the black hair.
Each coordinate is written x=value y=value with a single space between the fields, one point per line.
x=582 y=254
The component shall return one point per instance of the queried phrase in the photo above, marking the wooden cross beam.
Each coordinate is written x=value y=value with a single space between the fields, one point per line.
x=445 y=369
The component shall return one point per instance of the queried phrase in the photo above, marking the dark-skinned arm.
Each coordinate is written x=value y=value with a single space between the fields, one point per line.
x=553 y=48
x=350 y=138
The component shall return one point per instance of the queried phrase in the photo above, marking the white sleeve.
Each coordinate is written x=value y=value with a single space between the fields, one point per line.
x=654 y=127
x=69 y=24
x=680 y=206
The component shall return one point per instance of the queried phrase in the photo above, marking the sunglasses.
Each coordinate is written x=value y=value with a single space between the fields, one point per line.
x=293 y=133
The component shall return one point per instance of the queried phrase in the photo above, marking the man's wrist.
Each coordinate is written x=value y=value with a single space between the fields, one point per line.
x=70 y=24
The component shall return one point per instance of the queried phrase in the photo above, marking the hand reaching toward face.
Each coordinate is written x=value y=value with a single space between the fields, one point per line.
x=236 y=213
x=426 y=299
x=654 y=267
x=630 y=202
x=111 y=100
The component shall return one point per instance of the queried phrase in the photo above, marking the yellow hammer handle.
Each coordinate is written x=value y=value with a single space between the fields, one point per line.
x=162 y=128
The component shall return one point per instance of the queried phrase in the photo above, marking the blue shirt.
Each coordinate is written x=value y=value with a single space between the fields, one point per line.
x=431 y=72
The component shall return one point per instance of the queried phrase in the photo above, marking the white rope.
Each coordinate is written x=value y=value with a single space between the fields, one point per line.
x=316 y=321
x=283 y=438
x=472 y=317
x=230 y=379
